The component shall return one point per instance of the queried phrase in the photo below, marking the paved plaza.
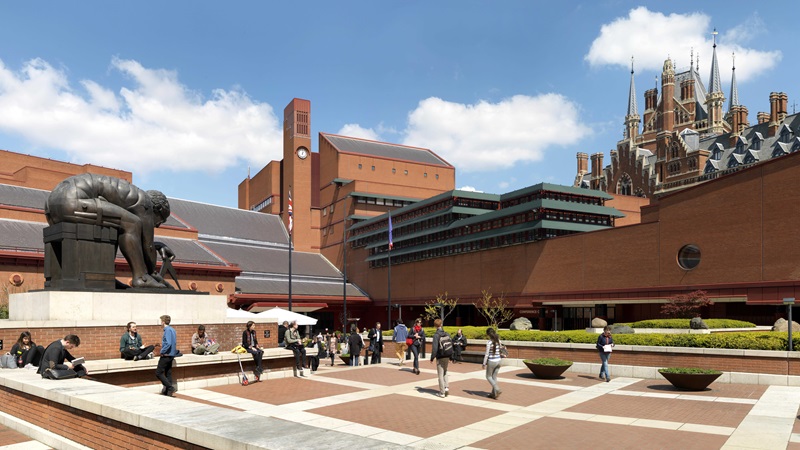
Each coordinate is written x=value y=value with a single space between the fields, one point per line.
x=393 y=408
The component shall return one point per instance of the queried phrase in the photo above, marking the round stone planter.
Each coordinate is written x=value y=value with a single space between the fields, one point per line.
x=690 y=381
x=547 y=372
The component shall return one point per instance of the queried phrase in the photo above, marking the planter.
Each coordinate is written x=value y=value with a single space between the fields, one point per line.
x=690 y=381
x=346 y=359
x=547 y=371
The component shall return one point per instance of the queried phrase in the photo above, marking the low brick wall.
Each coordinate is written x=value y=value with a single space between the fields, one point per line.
x=745 y=361
x=86 y=428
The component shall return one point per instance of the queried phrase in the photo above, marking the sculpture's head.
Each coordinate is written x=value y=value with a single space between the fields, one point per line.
x=160 y=206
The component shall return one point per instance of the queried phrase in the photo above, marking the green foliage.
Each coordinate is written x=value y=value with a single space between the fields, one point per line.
x=689 y=370
x=495 y=310
x=440 y=307
x=684 y=323
x=549 y=362
x=746 y=340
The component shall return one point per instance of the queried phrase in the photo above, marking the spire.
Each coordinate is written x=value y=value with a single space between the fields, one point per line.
x=734 y=91
x=632 y=109
x=714 y=84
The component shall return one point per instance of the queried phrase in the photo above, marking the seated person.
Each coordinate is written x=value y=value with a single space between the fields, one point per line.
x=250 y=343
x=202 y=343
x=57 y=356
x=26 y=351
x=130 y=345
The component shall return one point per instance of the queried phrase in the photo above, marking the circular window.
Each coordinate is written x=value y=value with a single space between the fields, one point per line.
x=689 y=257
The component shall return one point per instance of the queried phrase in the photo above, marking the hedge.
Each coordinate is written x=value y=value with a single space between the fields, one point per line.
x=684 y=323
x=746 y=340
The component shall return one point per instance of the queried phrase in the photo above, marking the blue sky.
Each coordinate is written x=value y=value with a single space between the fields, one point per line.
x=188 y=94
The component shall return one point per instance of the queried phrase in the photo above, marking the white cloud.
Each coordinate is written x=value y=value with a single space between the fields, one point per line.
x=491 y=136
x=468 y=189
x=503 y=184
x=153 y=123
x=355 y=130
x=651 y=37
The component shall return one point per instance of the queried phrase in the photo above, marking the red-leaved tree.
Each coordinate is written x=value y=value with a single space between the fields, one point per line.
x=686 y=306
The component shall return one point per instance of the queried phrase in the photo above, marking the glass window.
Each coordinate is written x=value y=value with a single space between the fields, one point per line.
x=689 y=257
x=359 y=166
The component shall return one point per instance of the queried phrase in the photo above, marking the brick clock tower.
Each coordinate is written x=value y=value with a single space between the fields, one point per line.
x=297 y=172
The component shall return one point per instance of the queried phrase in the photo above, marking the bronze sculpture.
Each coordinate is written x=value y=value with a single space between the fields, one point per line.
x=103 y=201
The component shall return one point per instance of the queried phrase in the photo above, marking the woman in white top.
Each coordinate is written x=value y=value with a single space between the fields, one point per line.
x=491 y=361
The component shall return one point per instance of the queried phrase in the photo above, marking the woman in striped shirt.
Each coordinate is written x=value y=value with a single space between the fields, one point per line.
x=491 y=361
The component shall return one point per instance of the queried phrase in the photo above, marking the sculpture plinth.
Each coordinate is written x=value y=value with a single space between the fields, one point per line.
x=79 y=256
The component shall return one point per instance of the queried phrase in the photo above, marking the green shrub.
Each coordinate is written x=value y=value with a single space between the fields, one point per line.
x=549 y=362
x=747 y=340
x=684 y=323
x=689 y=370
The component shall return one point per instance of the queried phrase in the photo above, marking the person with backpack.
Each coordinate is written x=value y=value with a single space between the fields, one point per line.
x=441 y=351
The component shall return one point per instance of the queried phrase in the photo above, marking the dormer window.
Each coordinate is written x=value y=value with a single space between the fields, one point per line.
x=709 y=168
x=732 y=162
x=716 y=152
x=757 y=140
x=786 y=133
x=741 y=145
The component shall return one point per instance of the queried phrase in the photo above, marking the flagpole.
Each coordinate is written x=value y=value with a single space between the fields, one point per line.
x=290 y=247
x=389 y=293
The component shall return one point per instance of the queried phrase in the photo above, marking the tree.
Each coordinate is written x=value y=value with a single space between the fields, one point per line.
x=686 y=306
x=441 y=307
x=494 y=310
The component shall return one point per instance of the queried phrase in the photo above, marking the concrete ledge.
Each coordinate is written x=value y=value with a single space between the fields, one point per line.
x=104 y=366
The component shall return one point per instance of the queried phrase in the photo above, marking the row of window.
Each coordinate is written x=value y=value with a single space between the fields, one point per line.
x=263 y=204
x=554 y=195
x=482 y=244
x=405 y=172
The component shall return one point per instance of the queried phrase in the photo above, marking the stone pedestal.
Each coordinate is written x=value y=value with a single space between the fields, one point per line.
x=79 y=256
x=116 y=307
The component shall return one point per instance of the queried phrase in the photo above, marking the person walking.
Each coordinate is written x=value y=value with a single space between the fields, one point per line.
x=332 y=347
x=376 y=342
x=399 y=336
x=491 y=361
x=605 y=343
x=417 y=334
x=167 y=355
x=441 y=353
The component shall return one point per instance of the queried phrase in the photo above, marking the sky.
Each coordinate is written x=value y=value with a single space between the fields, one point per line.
x=188 y=95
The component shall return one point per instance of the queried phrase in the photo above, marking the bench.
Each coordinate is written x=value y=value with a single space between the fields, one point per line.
x=122 y=372
x=472 y=356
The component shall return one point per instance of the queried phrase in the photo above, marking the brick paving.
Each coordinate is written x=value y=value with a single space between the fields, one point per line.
x=11 y=437
x=751 y=391
x=549 y=433
x=667 y=409
x=389 y=403
x=283 y=391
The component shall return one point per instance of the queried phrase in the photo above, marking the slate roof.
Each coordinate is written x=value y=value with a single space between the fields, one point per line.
x=384 y=150
x=330 y=287
x=251 y=258
x=225 y=222
x=15 y=234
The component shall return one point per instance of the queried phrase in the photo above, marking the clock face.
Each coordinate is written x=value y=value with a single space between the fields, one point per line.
x=302 y=153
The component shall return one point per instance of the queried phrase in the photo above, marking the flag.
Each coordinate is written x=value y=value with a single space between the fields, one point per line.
x=391 y=244
x=290 y=211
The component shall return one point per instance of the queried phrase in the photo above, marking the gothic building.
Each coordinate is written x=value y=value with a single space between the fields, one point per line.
x=685 y=138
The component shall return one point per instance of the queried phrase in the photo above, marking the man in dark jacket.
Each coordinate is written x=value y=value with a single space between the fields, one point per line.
x=376 y=342
x=354 y=344
x=57 y=356
x=441 y=362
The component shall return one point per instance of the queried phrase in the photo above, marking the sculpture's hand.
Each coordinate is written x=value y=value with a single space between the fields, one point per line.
x=164 y=251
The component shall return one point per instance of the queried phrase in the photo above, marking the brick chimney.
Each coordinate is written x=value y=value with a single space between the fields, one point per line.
x=583 y=163
x=773 y=113
x=738 y=122
x=762 y=117
x=597 y=165
x=650 y=99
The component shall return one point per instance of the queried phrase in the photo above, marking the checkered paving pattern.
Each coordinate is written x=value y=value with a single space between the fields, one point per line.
x=388 y=403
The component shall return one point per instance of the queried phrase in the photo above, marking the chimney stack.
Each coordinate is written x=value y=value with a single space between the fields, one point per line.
x=762 y=117
x=583 y=163
x=597 y=165
x=774 y=97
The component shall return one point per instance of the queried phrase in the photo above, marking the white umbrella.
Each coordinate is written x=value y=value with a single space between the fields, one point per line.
x=286 y=315
x=236 y=313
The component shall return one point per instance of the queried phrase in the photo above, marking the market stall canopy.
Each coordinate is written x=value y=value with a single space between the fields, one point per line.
x=286 y=315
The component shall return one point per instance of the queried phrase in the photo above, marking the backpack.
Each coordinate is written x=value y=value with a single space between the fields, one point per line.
x=8 y=361
x=445 y=346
